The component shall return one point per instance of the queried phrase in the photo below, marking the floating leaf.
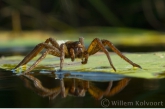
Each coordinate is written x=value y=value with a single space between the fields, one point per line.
x=152 y=64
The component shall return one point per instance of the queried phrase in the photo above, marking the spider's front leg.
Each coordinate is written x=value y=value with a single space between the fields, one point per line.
x=63 y=52
x=109 y=44
x=98 y=93
x=98 y=44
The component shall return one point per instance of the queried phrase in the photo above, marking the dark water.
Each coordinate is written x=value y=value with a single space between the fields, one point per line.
x=81 y=89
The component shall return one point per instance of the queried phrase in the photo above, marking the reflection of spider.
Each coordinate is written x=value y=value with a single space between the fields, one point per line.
x=75 y=87
x=72 y=49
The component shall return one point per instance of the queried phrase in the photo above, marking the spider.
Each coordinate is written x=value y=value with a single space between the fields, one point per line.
x=74 y=87
x=72 y=49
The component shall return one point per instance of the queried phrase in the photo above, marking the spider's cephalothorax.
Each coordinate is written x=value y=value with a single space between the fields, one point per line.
x=76 y=50
x=71 y=49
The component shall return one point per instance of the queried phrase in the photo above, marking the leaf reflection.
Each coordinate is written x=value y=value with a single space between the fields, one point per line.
x=74 y=85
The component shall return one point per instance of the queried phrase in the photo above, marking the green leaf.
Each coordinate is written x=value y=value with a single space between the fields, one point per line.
x=152 y=64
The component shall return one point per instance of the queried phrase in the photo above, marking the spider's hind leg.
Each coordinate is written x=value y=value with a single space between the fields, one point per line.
x=38 y=49
x=49 y=50
x=31 y=55
x=36 y=63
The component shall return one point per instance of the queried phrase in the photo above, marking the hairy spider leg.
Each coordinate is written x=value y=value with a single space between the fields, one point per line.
x=98 y=93
x=53 y=51
x=37 y=50
x=49 y=48
x=80 y=88
x=72 y=54
x=52 y=93
x=108 y=88
x=62 y=86
x=36 y=62
x=94 y=48
x=120 y=86
x=97 y=45
x=63 y=49
x=110 y=45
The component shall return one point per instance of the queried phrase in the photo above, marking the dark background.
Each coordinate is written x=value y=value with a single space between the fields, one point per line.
x=61 y=15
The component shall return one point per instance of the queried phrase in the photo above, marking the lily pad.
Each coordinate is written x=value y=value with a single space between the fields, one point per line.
x=152 y=64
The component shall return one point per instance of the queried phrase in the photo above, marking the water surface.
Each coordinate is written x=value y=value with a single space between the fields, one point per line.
x=82 y=89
